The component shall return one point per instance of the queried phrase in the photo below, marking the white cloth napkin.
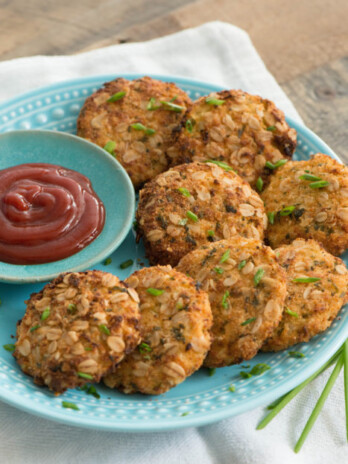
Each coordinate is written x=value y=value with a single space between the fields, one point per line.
x=222 y=54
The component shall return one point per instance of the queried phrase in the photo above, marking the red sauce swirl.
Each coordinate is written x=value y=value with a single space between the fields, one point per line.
x=47 y=213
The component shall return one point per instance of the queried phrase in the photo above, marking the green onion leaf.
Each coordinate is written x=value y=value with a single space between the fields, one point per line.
x=309 y=177
x=211 y=233
x=224 y=302
x=242 y=264
x=68 y=405
x=186 y=413
x=107 y=261
x=218 y=270
x=151 y=106
x=184 y=192
x=245 y=375
x=116 y=96
x=318 y=185
x=287 y=210
x=258 y=276
x=88 y=348
x=110 y=147
x=214 y=101
x=140 y=127
x=211 y=371
x=9 y=347
x=35 y=327
x=154 y=291
x=126 y=264
x=232 y=388
x=192 y=216
x=103 y=328
x=271 y=128
x=296 y=354
x=259 y=369
x=172 y=107
x=271 y=217
x=189 y=125
x=85 y=376
x=45 y=314
x=221 y=164
x=182 y=222
x=225 y=256
x=276 y=165
x=72 y=308
x=306 y=280
x=144 y=348
x=248 y=321
x=259 y=184
x=291 y=313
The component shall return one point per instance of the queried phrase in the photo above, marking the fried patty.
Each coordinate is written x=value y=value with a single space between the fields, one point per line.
x=194 y=204
x=136 y=126
x=244 y=131
x=246 y=288
x=76 y=329
x=310 y=307
x=174 y=327
x=309 y=199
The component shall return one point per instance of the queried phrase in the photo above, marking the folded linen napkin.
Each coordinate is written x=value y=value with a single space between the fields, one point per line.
x=221 y=54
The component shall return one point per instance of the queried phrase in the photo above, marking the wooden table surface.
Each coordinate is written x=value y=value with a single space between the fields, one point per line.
x=304 y=43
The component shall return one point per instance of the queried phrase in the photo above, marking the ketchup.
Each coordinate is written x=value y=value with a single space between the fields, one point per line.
x=47 y=213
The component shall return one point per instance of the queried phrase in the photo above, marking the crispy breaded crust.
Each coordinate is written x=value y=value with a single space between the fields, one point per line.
x=222 y=204
x=174 y=328
x=320 y=213
x=142 y=155
x=246 y=306
x=245 y=132
x=310 y=308
x=80 y=323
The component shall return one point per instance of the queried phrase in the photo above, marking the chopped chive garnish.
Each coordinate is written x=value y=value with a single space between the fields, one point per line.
x=296 y=354
x=271 y=216
x=271 y=128
x=68 y=405
x=140 y=127
x=249 y=321
x=232 y=388
x=126 y=264
x=116 y=96
x=242 y=264
x=309 y=177
x=151 y=106
x=287 y=210
x=35 y=327
x=211 y=371
x=90 y=390
x=88 y=348
x=189 y=125
x=291 y=313
x=144 y=348
x=154 y=291
x=218 y=270
x=259 y=369
x=184 y=192
x=318 y=185
x=276 y=165
x=110 y=147
x=221 y=164
x=72 y=308
x=245 y=375
x=107 y=261
x=85 y=376
x=9 y=347
x=103 y=328
x=45 y=314
x=211 y=233
x=192 y=216
x=172 y=107
x=214 y=101
x=259 y=184
x=306 y=280
x=225 y=256
x=182 y=222
x=186 y=413
x=224 y=302
x=258 y=276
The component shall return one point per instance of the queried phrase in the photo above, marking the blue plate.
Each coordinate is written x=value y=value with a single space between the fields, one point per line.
x=201 y=399
x=109 y=180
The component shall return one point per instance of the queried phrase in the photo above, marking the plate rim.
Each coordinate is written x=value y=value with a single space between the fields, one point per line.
x=209 y=417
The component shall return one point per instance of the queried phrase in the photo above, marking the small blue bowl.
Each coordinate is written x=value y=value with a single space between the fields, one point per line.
x=109 y=180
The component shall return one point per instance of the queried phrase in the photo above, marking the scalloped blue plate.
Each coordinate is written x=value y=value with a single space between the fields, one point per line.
x=109 y=180
x=199 y=400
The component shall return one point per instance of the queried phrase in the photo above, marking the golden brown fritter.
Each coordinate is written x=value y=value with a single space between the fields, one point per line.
x=246 y=288
x=242 y=130
x=193 y=204
x=174 y=327
x=77 y=329
x=136 y=127
x=310 y=307
x=309 y=199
